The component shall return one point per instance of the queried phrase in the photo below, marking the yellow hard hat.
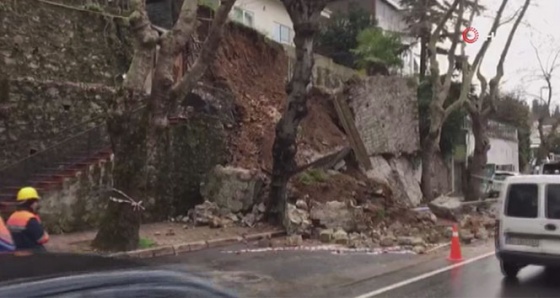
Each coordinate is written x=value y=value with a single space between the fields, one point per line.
x=27 y=193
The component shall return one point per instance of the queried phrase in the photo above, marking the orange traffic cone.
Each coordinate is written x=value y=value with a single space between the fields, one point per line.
x=455 y=253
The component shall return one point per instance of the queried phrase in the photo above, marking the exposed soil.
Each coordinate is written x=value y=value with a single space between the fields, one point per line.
x=260 y=100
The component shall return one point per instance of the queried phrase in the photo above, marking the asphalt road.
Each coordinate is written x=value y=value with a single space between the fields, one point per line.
x=307 y=274
x=481 y=278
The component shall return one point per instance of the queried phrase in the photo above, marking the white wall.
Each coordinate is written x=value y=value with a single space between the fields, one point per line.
x=502 y=152
x=268 y=15
x=390 y=19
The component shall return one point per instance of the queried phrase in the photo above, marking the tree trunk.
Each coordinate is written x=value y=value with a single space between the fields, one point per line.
x=543 y=149
x=423 y=56
x=430 y=148
x=285 y=147
x=475 y=171
x=120 y=225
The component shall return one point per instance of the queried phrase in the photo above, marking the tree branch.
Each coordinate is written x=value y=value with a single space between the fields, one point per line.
x=451 y=55
x=145 y=42
x=432 y=46
x=488 y=41
x=207 y=54
x=494 y=82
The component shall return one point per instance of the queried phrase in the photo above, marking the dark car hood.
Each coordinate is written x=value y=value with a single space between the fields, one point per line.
x=40 y=265
x=68 y=275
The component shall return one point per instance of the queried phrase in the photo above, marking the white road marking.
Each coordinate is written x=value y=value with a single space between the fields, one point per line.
x=423 y=276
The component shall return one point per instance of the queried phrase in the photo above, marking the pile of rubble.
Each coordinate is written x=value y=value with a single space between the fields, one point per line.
x=356 y=213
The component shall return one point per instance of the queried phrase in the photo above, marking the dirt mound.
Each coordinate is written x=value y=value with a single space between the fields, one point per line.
x=255 y=69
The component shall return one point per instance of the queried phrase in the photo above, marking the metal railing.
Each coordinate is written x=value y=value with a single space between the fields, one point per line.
x=72 y=150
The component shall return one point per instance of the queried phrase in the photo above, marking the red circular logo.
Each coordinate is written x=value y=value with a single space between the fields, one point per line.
x=470 y=35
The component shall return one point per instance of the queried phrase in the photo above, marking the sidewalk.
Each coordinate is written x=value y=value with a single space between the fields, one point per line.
x=155 y=235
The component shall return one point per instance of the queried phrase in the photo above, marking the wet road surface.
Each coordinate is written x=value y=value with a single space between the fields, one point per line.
x=307 y=274
x=481 y=279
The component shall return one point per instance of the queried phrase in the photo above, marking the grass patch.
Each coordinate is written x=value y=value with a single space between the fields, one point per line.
x=146 y=243
x=313 y=176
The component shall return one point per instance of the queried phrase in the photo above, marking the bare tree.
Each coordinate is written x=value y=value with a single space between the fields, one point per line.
x=546 y=74
x=479 y=107
x=134 y=135
x=305 y=17
x=441 y=84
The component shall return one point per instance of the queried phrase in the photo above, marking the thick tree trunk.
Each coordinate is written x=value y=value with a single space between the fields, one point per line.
x=543 y=149
x=285 y=147
x=430 y=146
x=119 y=228
x=479 y=159
x=429 y=149
x=423 y=56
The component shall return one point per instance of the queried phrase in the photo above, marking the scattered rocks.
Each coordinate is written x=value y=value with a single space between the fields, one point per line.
x=294 y=240
x=301 y=204
x=466 y=236
x=326 y=235
x=387 y=241
x=204 y=213
x=446 y=207
x=419 y=249
x=481 y=234
x=340 y=237
x=297 y=221
x=410 y=241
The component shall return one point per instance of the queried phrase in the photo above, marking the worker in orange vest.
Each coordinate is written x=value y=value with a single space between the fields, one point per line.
x=25 y=225
x=6 y=240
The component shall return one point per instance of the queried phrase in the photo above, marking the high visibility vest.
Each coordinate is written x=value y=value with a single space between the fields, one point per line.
x=17 y=223
x=6 y=241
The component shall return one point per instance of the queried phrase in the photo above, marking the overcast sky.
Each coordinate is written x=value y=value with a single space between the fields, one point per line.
x=541 y=25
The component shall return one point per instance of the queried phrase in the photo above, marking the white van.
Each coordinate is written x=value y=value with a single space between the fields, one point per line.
x=528 y=228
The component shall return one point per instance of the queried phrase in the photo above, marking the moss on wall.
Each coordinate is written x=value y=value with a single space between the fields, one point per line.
x=52 y=42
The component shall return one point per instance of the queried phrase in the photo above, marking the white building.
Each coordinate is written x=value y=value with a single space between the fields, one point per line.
x=271 y=18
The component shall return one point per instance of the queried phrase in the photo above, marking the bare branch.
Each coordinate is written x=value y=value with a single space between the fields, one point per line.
x=451 y=58
x=494 y=82
x=208 y=52
x=487 y=42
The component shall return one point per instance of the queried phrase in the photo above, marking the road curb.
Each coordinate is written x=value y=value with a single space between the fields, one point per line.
x=181 y=248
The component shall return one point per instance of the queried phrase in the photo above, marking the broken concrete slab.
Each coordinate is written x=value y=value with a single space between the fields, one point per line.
x=401 y=174
x=335 y=215
x=235 y=189
x=446 y=207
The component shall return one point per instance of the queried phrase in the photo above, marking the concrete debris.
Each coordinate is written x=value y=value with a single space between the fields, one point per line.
x=387 y=241
x=446 y=208
x=326 y=235
x=294 y=240
x=481 y=234
x=466 y=236
x=402 y=175
x=235 y=189
x=204 y=213
x=340 y=237
x=301 y=204
x=336 y=249
x=336 y=214
x=410 y=241
x=297 y=221
x=419 y=249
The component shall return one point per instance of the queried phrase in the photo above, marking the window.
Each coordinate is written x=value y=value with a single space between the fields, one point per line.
x=283 y=34
x=243 y=16
x=553 y=201
x=522 y=200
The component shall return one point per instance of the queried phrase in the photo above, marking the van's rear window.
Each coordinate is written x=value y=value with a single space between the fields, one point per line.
x=522 y=200
x=553 y=201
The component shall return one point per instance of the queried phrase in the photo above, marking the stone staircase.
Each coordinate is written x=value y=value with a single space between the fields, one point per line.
x=47 y=169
